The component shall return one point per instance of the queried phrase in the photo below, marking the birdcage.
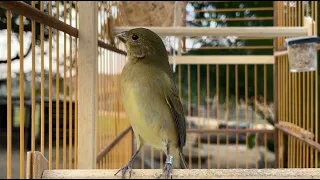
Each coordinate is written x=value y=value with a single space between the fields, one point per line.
x=262 y=120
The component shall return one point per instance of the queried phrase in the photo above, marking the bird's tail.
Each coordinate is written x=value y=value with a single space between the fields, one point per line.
x=183 y=163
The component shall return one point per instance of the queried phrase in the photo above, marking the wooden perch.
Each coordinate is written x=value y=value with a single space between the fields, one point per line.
x=188 y=174
x=224 y=59
x=271 y=32
x=302 y=132
x=37 y=168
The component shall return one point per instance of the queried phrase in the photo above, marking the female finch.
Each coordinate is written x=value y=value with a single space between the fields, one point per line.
x=151 y=100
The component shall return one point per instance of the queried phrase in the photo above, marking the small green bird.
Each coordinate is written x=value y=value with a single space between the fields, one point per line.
x=151 y=100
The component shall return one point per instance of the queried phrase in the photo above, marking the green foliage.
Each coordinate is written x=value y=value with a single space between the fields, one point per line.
x=270 y=145
x=251 y=142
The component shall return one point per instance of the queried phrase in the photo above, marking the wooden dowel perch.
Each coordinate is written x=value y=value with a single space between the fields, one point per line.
x=284 y=51
x=261 y=32
x=38 y=168
x=188 y=174
x=224 y=59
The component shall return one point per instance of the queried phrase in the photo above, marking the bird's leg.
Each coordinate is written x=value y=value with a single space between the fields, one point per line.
x=127 y=167
x=167 y=170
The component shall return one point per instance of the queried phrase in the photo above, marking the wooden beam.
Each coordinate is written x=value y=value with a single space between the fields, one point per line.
x=113 y=143
x=88 y=53
x=275 y=85
x=301 y=137
x=229 y=131
x=30 y=12
x=280 y=53
x=231 y=19
x=233 y=9
x=36 y=165
x=290 y=173
x=260 y=32
x=308 y=25
x=283 y=51
x=110 y=47
x=302 y=132
x=245 y=59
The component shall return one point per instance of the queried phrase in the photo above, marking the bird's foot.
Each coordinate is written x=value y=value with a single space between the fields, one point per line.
x=167 y=170
x=124 y=170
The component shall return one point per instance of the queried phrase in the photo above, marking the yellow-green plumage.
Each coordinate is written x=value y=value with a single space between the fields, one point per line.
x=149 y=94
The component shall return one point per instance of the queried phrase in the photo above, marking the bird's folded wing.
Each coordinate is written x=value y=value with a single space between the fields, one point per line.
x=176 y=109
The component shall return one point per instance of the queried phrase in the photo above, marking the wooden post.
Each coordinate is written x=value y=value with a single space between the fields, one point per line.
x=36 y=165
x=308 y=24
x=184 y=24
x=88 y=52
x=177 y=22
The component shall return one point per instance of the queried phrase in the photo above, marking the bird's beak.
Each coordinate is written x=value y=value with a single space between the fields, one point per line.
x=122 y=36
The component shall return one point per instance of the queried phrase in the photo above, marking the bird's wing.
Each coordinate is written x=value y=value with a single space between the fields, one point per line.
x=176 y=109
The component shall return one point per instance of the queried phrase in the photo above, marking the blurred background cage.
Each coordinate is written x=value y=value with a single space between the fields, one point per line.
x=243 y=107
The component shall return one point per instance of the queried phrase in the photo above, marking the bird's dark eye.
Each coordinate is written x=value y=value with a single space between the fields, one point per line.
x=135 y=37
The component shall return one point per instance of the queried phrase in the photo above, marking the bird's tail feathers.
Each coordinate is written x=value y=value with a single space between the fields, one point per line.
x=183 y=163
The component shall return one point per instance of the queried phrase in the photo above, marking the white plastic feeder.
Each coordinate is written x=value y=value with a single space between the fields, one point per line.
x=302 y=53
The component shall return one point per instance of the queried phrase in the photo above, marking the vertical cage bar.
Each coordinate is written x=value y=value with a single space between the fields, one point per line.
x=199 y=126
x=247 y=111
x=189 y=113
x=42 y=82
x=237 y=115
x=227 y=114
x=9 y=100
x=33 y=82
x=76 y=98
x=57 y=92
x=21 y=32
x=70 y=93
x=50 y=89
x=218 y=115
x=208 y=116
x=64 y=90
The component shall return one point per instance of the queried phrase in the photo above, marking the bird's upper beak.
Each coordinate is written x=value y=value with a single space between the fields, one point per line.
x=122 y=36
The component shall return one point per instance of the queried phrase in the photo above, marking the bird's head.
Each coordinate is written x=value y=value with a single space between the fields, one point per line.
x=142 y=42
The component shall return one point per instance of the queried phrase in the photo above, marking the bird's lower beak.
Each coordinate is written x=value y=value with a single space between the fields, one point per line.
x=122 y=36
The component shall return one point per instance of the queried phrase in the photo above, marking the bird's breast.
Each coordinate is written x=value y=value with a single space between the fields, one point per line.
x=137 y=97
x=147 y=110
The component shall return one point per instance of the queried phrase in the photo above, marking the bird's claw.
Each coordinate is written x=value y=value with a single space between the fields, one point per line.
x=124 y=169
x=167 y=171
